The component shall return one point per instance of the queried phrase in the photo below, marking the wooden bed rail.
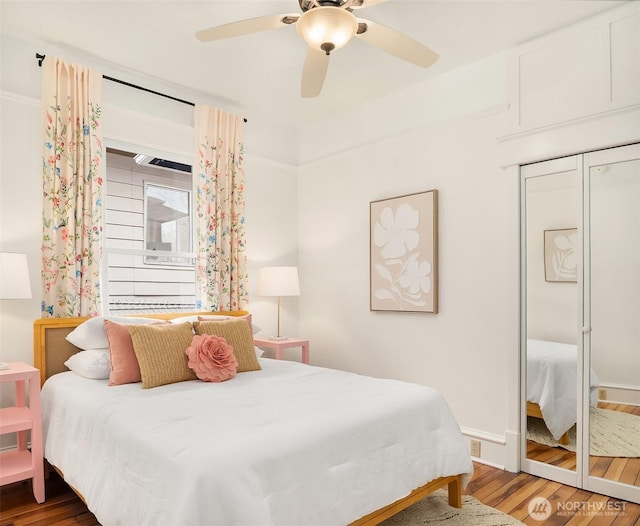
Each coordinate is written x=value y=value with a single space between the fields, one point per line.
x=454 y=484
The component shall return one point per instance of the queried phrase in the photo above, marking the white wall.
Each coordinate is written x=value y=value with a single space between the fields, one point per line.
x=272 y=239
x=465 y=350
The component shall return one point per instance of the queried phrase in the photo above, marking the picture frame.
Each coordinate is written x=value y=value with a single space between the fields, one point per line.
x=561 y=255
x=404 y=253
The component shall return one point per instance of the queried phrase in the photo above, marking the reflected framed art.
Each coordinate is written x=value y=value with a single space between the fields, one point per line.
x=561 y=255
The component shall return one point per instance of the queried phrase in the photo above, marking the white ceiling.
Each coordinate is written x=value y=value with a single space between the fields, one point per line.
x=260 y=73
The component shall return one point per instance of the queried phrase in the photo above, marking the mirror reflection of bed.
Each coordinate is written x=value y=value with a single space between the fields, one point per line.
x=551 y=402
x=623 y=470
x=552 y=415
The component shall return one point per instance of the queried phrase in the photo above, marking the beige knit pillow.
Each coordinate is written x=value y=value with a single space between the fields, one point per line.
x=160 y=350
x=237 y=333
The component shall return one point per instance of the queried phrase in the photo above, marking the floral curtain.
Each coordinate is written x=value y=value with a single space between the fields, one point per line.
x=221 y=261
x=72 y=173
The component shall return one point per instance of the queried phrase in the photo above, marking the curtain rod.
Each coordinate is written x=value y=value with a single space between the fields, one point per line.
x=41 y=58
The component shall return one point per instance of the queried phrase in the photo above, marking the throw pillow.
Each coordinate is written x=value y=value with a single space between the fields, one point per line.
x=212 y=358
x=237 y=333
x=160 y=351
x=124 y=364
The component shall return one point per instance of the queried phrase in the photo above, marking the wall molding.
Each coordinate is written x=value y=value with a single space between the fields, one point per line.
x=621 y=387
x=271 y=162
x=484 y=436
x=350 y=149
x=16 y=97
x=591 y=133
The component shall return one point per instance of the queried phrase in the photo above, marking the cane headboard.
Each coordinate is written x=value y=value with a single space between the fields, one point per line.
x=51 y=349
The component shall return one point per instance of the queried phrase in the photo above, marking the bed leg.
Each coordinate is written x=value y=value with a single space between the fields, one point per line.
x=455 y=492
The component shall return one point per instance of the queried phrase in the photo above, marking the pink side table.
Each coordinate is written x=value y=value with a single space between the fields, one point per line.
x=281 y=345
x=20 y=464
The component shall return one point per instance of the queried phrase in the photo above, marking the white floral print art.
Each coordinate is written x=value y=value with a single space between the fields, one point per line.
x=402 y=267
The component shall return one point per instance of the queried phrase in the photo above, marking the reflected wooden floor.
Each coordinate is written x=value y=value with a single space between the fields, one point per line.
x=626 y=470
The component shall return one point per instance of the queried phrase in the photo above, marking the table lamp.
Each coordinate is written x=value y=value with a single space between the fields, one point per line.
x=14 y=277
x=14 y=281
x=278 y=281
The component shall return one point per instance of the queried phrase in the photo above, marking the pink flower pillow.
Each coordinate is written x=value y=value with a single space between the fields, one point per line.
x=211 y=358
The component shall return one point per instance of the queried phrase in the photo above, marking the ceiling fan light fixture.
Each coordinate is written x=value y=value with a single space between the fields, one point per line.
x=327 y=28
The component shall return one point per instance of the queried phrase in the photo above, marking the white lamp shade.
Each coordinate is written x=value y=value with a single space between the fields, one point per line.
x=14 y=276
x=327 y=25
x=278 y=281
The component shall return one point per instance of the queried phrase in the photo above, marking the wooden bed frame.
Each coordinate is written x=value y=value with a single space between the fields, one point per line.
x=534 y=410
x=51 y=350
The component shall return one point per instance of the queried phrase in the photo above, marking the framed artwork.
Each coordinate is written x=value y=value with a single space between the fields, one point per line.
x=561 y=255
x=404 y=253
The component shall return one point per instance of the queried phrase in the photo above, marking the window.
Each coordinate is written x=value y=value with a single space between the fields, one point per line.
x=148 y=260
x=167 y=224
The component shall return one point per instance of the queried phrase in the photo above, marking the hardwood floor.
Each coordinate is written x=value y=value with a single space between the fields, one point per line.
x=508 y=492
x=512 y=493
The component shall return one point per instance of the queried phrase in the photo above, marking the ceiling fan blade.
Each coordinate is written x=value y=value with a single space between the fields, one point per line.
x=314 y=72
x=246 y=27
x=397 y=44
x=361 y=4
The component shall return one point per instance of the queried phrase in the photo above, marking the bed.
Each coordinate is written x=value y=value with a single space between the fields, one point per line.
x=288 y=444
x=552 y=385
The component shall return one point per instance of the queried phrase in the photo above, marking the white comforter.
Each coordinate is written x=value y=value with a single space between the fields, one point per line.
x=288 y=445
x=552 y=375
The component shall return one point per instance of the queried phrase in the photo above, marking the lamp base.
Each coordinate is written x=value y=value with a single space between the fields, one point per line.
x=278 y=338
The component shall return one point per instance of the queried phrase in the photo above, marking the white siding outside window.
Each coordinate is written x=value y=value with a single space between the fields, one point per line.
x=137 y=280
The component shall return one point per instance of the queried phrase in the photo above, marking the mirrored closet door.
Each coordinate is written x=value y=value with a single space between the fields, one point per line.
x=580 y=320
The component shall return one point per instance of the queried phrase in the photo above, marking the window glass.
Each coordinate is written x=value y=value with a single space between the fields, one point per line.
x=167 y=224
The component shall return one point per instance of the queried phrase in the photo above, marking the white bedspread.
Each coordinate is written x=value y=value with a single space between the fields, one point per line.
x=288 y=445
x=552 y=376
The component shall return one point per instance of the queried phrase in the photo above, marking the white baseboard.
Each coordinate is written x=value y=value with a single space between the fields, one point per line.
x=493 y=448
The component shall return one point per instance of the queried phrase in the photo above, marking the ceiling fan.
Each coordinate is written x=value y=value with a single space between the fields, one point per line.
x=326 y=26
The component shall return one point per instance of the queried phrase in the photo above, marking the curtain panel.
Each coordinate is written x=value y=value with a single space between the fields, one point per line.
x=220 y=238
x=72 y=175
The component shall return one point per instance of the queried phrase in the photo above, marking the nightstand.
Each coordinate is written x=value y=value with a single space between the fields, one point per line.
x=281 y=345
x=20 y=464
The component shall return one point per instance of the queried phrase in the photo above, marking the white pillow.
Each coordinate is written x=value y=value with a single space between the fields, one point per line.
x=259 y=352
x=92 y=363
x=91 y=334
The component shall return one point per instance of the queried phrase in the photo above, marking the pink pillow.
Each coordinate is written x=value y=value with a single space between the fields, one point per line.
x=124 y=364
x=211 y=358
